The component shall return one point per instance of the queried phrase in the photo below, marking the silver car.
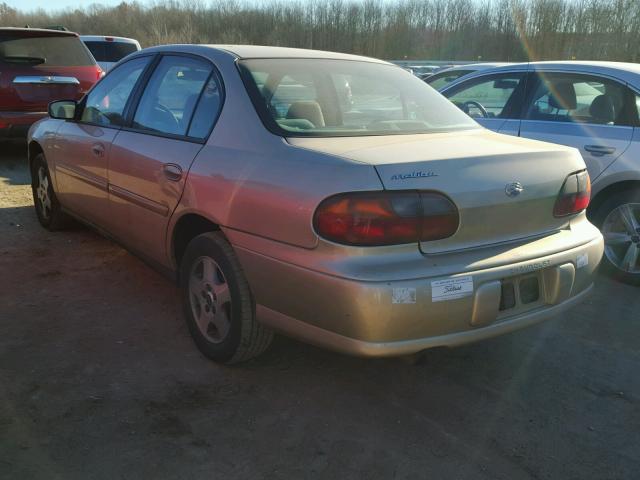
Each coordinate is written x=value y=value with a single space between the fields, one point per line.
x=335 y=198
x=592 y=106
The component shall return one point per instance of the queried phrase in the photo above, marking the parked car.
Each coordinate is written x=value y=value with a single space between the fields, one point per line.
x=444 y=77
x=424 y=71
x=37 y=67
x=380 y=226
x=109 y=50
x=592 y=106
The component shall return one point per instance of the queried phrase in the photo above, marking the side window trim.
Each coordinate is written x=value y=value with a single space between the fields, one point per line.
x=513 y=108
x=136 y=96
x=83 y=102
x=134 y=99
x=215 y=74
x=195 y=107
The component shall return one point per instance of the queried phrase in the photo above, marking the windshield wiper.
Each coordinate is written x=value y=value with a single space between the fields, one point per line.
x=24 y=59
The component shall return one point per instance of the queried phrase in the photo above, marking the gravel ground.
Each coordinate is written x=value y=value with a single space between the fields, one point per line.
x=99 y=379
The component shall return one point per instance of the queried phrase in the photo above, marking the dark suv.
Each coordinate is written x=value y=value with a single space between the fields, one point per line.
x=37 y=67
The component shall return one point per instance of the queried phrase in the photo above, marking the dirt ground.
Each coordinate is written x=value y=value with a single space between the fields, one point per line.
x=99 y=379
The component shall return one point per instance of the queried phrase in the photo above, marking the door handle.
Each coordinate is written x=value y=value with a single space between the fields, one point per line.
x=98 y=150
x=172 y=171
x=599 y=150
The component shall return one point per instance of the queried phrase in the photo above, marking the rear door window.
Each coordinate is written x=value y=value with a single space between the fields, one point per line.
x=110 y=51
x=53 y=51
x=171 y=95
x=575 y=98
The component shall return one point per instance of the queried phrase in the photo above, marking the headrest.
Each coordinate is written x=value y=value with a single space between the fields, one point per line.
x=602 y=109
x=563 y=96
x=307 y=110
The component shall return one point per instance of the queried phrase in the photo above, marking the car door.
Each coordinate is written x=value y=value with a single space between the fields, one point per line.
x=592 y=113
x=150 y=158
x=493 y=100
x=82 y=146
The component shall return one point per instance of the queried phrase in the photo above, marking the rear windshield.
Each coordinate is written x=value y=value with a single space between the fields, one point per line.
x=327 y=98
x=67 y=51
x=110 y=51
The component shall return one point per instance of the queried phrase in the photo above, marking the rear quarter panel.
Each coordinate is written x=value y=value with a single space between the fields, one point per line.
x=271 y=191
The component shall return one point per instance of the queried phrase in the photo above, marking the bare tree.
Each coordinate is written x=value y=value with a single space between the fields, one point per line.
x=413 y=29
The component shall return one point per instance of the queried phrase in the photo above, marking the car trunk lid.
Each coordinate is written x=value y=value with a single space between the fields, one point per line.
x=504 y=187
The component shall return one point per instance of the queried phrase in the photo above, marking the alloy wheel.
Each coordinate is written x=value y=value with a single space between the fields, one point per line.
x=42 y=193
x=210 y=299
x=621 y=231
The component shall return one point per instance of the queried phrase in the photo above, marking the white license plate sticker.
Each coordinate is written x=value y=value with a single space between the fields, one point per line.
x=403 y=295
x=451 y=289
x=583 y=260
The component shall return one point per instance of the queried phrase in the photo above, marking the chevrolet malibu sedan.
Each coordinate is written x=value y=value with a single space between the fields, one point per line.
x=334 y=198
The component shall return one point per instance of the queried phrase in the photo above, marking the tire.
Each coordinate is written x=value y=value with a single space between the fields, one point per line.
x=618 y=218
x=218 y=304
x=48 y=209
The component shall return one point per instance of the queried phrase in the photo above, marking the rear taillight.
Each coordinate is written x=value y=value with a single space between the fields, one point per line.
x=574 y=195
x=386 y=218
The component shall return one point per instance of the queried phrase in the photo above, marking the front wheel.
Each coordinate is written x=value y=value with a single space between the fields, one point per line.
x=48 y=210
x=217 y=302
x=619 y=221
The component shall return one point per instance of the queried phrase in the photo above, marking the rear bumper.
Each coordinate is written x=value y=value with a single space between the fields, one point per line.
x=352 y=346
x=379 y=319
x=16 y=124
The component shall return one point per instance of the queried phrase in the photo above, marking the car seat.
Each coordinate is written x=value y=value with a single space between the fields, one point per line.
x=307 y=110
x=602 y=110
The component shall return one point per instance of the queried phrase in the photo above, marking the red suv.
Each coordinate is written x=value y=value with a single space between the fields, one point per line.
x=37 y=67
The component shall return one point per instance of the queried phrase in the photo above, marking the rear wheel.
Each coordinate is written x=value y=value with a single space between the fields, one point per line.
x=619 y=221
x=217 y=302
x=48 y=209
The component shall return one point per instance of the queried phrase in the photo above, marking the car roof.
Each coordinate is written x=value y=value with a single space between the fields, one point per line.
x=626 y=72
x=260 y=51
x=37 y=32
x=474 y=66
x=108 y=38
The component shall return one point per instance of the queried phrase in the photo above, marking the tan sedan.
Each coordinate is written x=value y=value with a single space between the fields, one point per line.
x=334 y=198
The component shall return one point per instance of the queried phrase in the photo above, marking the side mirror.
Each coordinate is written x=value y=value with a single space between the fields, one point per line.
x=63 y=109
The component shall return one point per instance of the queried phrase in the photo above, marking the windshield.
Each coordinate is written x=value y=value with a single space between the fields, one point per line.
x=327 y=98
x=62 y=51
x=110 y=51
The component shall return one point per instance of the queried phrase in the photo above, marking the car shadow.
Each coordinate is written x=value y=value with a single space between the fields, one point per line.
x=13 y=158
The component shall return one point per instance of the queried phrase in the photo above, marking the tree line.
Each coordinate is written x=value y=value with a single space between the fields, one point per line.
x=508 y=30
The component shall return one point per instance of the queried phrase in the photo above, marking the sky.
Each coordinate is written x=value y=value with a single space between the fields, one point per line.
x=50 y=5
